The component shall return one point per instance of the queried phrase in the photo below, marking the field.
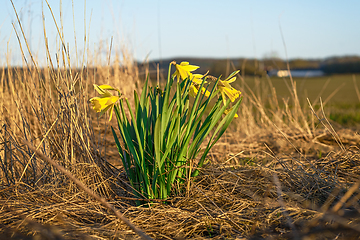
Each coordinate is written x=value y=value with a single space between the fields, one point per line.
x=339 y=94
x=340 y=89
x=286 y=168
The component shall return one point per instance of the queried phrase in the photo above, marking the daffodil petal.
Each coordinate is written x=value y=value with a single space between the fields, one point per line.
x=233 y=94
x=223 y=97
x=190 y=68
x=183 y=73
x=183 y=70
x=103 y=103
x=98 y=89
x=206 y=92
x=108 y=87
x=103 y=90
x=111 y=111
x=193 y=91
x=112 y=100
x=197 y=78
x=224 y=84
x=104 y=110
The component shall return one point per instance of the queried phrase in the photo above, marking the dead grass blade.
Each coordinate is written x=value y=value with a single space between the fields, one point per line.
x=327 y=126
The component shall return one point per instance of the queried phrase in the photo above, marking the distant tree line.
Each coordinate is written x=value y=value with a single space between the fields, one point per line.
x=337 y=65
x=262 y=67
x=334 y=65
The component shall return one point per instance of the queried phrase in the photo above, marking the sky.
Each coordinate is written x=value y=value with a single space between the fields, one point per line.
x=163 y=29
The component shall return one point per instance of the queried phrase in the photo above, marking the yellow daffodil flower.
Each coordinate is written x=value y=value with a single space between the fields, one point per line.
x=226 y=89
x=106 y=101
x=196 y=81
x=194 y=89
x=183 y=70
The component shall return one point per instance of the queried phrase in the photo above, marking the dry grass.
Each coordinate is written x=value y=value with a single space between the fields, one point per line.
x=279 y=172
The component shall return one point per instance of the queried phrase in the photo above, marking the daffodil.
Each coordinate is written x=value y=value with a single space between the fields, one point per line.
x=183 y=70
x=196 y=81
x=226 y=89
x=106 y=101
x=194 y=89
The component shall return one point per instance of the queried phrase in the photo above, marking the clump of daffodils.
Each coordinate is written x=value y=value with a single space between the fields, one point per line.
x=161 y=140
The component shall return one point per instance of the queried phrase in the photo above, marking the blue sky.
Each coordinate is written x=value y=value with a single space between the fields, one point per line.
x=162 y=29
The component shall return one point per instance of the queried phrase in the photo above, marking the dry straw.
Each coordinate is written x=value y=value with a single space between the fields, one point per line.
x=89 y=191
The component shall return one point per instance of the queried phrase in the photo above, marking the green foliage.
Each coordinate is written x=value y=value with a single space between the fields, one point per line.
x=162 y=138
